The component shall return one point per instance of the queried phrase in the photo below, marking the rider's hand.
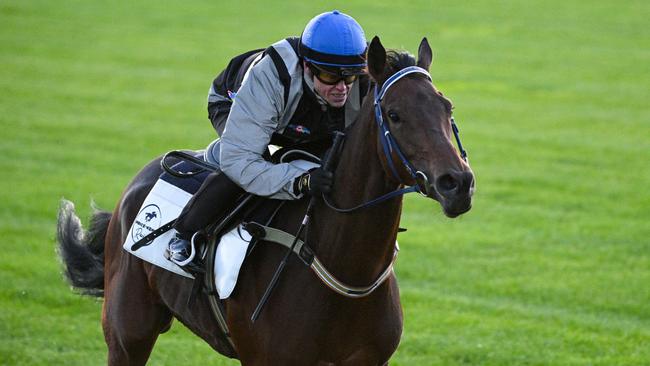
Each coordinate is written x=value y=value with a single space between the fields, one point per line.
x=315 y=182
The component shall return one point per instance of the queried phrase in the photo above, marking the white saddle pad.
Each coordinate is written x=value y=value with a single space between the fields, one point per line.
x=163 y=204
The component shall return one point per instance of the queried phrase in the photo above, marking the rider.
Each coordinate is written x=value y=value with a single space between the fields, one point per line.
x=327 y=68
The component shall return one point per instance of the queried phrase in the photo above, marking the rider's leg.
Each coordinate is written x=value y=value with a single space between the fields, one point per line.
x=216 y=195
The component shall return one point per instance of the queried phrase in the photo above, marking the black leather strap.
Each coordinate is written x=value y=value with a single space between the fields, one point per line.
x=283 y=73
x=147 y=240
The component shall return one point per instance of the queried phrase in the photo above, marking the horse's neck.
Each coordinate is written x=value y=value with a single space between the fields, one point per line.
x=358 y=246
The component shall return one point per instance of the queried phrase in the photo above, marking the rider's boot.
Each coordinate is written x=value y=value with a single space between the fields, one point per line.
x=214 y=198
x=180 y=249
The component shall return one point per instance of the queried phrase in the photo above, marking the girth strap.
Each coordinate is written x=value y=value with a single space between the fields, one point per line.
x=261 y=232
x=305 y=253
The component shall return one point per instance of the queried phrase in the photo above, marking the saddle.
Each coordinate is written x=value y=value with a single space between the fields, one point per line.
x=184 y=173
x=248 y=208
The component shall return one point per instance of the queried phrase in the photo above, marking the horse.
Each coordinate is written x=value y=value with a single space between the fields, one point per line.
x=305 y=322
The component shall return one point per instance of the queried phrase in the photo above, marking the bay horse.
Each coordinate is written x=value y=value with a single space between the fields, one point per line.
x=304 y=322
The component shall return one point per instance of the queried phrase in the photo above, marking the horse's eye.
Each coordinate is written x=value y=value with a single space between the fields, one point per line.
x=393 y=116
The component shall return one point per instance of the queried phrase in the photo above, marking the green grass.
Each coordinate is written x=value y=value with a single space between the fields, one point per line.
x=551 y=266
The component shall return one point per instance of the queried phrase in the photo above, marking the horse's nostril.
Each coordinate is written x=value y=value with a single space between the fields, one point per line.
x=446 y=184
x=468 y=177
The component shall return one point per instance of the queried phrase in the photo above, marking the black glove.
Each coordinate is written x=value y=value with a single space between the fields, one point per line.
x=314 y=182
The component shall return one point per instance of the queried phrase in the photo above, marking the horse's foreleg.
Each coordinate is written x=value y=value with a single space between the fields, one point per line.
x=132 y=316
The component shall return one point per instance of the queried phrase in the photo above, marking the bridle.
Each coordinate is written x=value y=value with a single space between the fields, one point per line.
x=389 y=145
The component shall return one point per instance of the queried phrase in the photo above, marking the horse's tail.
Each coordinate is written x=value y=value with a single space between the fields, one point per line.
x=82 y=252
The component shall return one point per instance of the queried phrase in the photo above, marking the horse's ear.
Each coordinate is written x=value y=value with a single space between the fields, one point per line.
x=376 y=59
x=425 y=55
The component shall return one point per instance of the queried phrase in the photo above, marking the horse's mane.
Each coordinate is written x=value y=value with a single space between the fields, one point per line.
x=398 y=60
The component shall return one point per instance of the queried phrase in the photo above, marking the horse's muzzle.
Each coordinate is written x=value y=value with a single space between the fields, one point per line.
x=454 y=191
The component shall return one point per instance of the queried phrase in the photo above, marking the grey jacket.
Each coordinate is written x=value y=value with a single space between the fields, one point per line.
x=257 y=113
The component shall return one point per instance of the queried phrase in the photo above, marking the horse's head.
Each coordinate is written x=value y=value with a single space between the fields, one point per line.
x=418 y=117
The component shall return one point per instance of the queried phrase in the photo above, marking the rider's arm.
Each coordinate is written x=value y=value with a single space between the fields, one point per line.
x=254 y=117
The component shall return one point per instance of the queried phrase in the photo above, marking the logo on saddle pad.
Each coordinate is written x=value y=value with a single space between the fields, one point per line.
x=148 y=220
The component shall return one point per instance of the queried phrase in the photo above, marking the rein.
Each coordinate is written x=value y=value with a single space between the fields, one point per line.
x=389 y=145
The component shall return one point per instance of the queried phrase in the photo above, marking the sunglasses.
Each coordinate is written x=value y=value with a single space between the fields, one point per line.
x=330 y=77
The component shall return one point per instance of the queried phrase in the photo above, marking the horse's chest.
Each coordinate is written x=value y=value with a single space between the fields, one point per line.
x=349 y=330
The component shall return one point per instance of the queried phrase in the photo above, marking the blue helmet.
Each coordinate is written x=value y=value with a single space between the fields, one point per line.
x=334 y=39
